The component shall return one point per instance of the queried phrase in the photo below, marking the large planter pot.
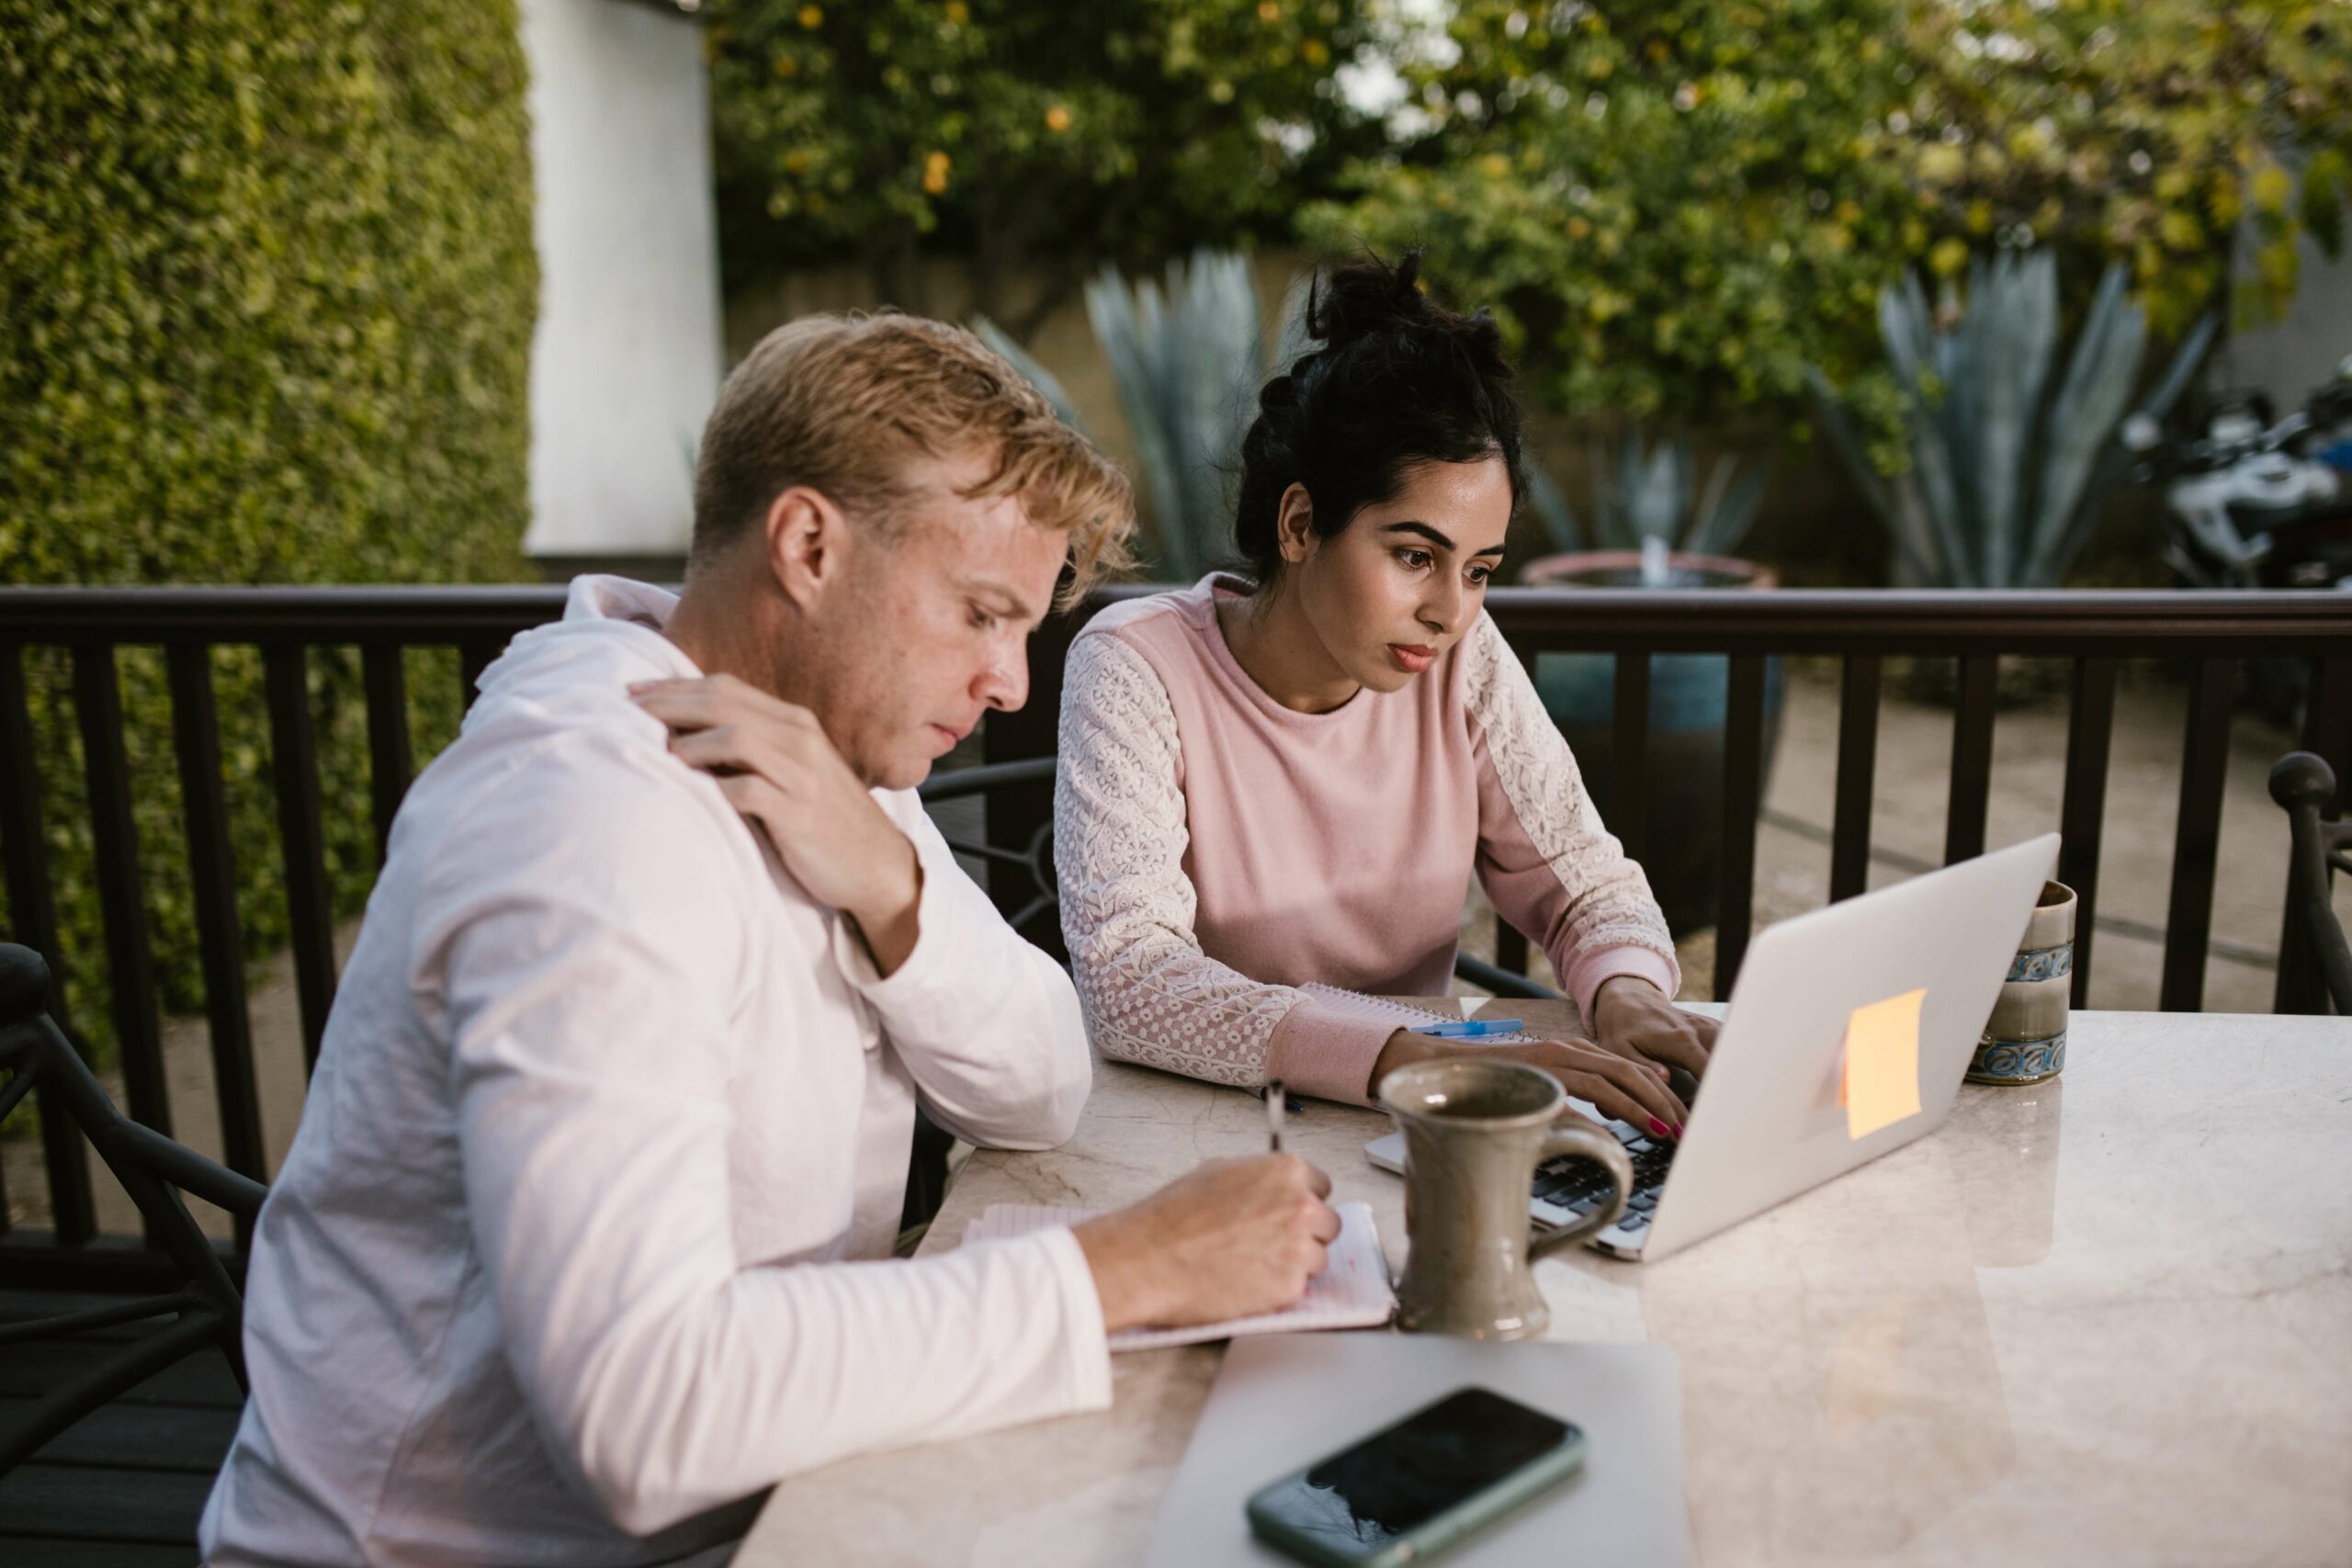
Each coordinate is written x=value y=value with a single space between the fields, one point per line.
x=1684 y=765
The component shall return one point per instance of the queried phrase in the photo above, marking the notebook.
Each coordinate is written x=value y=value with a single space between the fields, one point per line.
x=1403 y=1015
x=1352 y=1291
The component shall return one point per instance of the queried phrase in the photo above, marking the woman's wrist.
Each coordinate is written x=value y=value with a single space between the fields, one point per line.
x=1401 y=1049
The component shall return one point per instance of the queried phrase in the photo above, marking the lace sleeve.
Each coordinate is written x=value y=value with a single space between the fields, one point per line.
x=1551 y=869
x=1149 y=994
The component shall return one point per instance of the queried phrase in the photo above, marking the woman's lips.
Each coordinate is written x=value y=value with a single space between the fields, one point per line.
x=1412 y=658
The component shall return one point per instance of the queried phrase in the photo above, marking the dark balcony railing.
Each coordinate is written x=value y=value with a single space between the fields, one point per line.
x=2210 y=632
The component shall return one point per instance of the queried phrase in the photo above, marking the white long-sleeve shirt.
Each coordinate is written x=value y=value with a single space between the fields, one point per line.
x=585 y=1239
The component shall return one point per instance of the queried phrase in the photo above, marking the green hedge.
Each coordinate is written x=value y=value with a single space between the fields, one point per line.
x=269 y=286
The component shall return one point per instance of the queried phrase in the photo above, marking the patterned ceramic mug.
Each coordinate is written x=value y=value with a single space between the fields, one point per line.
x=2025 y=1039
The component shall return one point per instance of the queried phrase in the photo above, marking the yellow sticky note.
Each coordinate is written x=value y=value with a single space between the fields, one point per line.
x=1882 y=1080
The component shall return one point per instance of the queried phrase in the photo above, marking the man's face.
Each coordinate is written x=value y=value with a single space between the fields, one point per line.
x=930 y=627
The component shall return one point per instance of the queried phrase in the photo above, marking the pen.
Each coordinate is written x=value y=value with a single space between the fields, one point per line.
x=1274 y=1115
x=1471 y=1029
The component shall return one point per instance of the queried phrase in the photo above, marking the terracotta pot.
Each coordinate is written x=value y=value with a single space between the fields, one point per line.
x=1687 y=692
x=1623 y=569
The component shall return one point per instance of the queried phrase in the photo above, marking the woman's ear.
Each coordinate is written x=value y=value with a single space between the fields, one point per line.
x=806 y=545
x=1294 y=526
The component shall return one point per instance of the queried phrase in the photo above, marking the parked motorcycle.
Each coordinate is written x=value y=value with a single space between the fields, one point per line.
x=2257 y=501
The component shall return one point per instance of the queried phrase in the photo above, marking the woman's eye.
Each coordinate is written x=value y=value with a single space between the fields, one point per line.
x=1480 y=577
x=1416 y=559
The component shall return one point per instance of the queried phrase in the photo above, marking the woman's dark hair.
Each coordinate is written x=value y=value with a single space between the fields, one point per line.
x=1399 y=380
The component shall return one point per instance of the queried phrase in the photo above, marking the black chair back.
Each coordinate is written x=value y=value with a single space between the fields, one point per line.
x=206 y=1309
x=2303 y=785
x=1021 y=877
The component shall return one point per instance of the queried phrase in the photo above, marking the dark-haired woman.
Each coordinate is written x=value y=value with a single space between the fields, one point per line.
x=1290 y=775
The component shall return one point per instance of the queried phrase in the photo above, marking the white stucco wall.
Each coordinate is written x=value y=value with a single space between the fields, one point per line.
x=2288 y=357
x=628 y=353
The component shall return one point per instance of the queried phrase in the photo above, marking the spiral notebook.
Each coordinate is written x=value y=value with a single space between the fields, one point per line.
x=1404 y=1015
x=1352 y=1291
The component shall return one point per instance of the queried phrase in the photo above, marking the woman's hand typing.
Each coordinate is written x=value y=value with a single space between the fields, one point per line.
x=1635 y=1020
x=1632 y=1092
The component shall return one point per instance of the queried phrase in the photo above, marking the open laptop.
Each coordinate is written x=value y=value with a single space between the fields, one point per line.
x=1770 y=1123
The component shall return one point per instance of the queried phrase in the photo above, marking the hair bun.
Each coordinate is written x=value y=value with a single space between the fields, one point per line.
x=1398 y=380
x=1352 y=302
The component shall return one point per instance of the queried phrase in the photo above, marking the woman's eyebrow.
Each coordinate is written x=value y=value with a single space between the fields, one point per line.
x=1433 y=536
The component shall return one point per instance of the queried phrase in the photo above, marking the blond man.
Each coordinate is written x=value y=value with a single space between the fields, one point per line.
x=585 y=1238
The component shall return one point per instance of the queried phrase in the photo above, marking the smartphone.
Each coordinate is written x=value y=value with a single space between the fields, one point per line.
x=1411 y=1490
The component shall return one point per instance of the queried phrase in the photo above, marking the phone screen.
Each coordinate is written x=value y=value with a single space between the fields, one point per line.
x=1399 y=1479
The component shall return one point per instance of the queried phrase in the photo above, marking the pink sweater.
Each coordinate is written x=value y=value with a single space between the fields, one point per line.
x=1216 y=850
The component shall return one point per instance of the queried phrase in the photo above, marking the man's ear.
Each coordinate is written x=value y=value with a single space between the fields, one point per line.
x=1294 y=526
x=807 y=545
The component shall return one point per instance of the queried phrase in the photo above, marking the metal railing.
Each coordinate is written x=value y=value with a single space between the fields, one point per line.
x=2095 y=631
x=286 y=625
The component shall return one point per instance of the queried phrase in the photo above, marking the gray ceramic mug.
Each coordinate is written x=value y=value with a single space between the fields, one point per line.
x=1475 y=1131
x=2025 y=1039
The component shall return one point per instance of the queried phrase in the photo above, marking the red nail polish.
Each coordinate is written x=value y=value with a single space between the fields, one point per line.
x=1677 y=1129
x=1660 y=1128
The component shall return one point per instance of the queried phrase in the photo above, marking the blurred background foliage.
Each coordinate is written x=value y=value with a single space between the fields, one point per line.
x=1678 y=207
x=269 y=285
x=1028 y=139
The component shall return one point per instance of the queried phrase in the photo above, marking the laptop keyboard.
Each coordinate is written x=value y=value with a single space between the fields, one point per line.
x=1578 y=1185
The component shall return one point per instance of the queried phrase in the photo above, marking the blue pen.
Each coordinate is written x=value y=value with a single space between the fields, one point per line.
x=1472 y=1028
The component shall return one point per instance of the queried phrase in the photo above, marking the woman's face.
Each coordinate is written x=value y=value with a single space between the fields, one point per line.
x=1404 y=582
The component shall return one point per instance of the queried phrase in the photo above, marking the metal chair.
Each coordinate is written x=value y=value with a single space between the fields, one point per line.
x=1037 y=917
x=206 y=1309
x=2303 y=785
x=1034 y=860
x=1501 y=982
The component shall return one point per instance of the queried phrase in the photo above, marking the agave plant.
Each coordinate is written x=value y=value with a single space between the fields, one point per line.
x=1647 y=501
x=1187 y=360
x=1187 y=357
x=1036 y=374
x=2008 y=460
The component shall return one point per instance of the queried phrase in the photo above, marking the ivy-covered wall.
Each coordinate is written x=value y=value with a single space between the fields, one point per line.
x=268 y=285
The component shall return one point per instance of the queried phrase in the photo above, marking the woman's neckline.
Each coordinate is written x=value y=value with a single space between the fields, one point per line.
x=1226 y=586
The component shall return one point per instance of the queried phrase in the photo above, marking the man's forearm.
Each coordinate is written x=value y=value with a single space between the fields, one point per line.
x=790 y=1368
x=987 y=1024
x=892 y=925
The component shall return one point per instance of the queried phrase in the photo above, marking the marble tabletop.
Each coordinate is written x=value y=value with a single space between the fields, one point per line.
x=2103 y=1318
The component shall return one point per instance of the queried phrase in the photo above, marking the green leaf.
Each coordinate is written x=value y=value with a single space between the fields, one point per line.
x=2325 y=177
x=1036 y=374
x=1187 y=360
x=2090 y=403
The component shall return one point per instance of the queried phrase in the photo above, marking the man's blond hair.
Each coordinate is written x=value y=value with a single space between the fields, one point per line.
x=847 y=405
